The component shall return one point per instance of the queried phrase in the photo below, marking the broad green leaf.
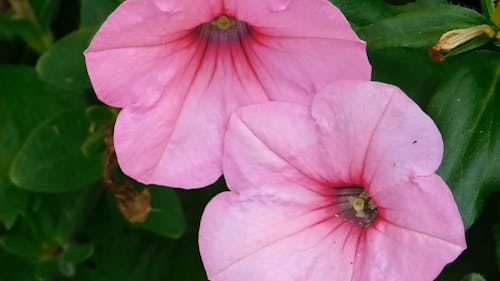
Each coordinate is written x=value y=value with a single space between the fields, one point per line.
x=465 y=108
x=94 y=12
x=420 y=28
x=23 y=105
x=52 y=159
x=44 y=257
x=13 y=202
x=78 y=253
x=166 y=217
x=58 y=218
x=21 y=246
x=410 y=69
x=64 y=65
x=473 y=277
x=25 y=102
x=362 y=12
x=418 y=4
x=488 y=8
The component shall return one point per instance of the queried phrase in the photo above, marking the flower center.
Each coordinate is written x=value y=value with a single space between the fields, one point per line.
x=223 y=28
x=223 y=22
x=356 y=204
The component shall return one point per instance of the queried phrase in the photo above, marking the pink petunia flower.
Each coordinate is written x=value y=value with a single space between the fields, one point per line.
x=179 y=68
x=342 y=190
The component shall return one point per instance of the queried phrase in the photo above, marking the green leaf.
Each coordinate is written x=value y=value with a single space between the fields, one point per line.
x=25 y=102
x=473 y=277
x=94 y=12
x=496 y=16
x=418 y=29
x=465 y=108
x=480 y=254
x=64 y=65
x=149 y=258
x=166 y=217
x=78 y=253
x=52 y=159
x=101 y=118
x=13 y=202
x=410 y=69
x=418 y=4
x=488 y=8
x=362 y=12
x=18 y=269
x=27 y=30
x=94 y=144
x=188 y=265
x=45 y=11
x=102 y=115
x=21 y=246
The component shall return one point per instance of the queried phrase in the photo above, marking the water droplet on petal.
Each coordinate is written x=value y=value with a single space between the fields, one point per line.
x=279 y=5
x=166 y=6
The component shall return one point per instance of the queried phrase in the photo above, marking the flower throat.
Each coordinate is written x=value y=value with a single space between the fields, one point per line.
x=223 y=28
x=355 y=204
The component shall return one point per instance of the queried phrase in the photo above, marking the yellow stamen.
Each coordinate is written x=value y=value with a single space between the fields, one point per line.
x=223 y=22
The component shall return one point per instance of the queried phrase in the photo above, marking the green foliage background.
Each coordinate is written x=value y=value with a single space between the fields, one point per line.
x=58 y=222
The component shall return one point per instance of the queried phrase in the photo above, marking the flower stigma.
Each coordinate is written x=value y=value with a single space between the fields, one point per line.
x=356 y=204
x=223 y=22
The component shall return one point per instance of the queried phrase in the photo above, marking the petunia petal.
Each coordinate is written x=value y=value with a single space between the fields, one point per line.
x=271 y=146
x=179 y=84
x=418 y=231
x=294 y=69
x=421 y=204
x=389 y=252
x=133 y=55
x=267 y=239
x=145 y=23
x=139 y=76
x=299 y=46
x=293 y=18
x=143 y=46
x=177 y=141
x=370 y=128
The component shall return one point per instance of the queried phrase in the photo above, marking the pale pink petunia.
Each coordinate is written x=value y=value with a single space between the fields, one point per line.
x=344 y=189
x=179 y=68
